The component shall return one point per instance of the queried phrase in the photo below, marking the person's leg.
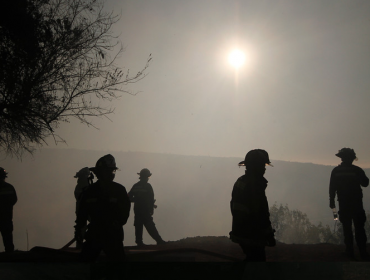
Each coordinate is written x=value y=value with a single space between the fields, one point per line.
x=152 y=230
x=7 y=234
x=138 y=230
x=90 y=251
x=114 y=250
x=346 y=220
x=360 y=233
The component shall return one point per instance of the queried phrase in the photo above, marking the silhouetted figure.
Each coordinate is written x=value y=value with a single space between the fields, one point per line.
x=346 y=181
x=84 y=179
x=107 y=205
x=251 y=226
x=143 y=196
x=8 y=197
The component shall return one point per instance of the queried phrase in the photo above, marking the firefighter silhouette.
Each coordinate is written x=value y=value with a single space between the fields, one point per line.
x=345 y=181
x=84 y=180
x=8 y=197
x=142 y=195
x=251 y=226
x=107 y=206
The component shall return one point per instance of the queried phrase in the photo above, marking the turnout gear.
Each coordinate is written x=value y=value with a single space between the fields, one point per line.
x=251 y=226
x=345 y=182
x=142 y=195
x=249 y=208
x=107 y=206
x=8 y=198
x=84 y=179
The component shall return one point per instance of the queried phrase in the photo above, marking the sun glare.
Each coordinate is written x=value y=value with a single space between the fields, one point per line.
x=237 y=58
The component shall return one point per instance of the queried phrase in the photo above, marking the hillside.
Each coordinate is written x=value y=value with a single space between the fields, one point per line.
x=192 y=192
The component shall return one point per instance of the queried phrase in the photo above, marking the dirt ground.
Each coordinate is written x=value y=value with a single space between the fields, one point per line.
x=194 y=258
x=280 y=253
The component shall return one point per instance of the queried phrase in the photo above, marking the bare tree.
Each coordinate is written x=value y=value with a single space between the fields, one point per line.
x=57 y=61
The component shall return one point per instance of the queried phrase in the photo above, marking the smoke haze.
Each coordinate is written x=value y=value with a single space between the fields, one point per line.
x=192 y=192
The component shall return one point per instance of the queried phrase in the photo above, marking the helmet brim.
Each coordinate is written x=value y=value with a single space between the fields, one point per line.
x=242 y=163
x=142 y=175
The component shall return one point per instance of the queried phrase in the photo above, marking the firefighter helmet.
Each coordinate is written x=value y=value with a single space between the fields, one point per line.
x=105 y=162
x=254 y=157
x=346 y=153
x=83 y=173
x=144 y=173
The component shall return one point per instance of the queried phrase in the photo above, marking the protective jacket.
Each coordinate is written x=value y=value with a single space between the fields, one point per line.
x=346 y=181
x=142 y=195
x=82 y=185
x=107 y=207
x=8 y=197
x=249 y=208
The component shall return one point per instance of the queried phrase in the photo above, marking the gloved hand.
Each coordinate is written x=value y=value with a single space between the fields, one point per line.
x=332 y=204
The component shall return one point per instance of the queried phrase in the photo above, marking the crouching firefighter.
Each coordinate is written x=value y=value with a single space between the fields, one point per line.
x=251 y=226
x=107 y=206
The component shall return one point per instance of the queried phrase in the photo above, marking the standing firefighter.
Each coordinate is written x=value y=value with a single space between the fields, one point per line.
x=143 y=196
x=251 y=226
x=84 y=179
x=8 y=197
x=107 y=206
x=346 y=181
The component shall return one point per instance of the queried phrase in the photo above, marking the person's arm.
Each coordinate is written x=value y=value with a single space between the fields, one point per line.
x=237 y=206
x=231 y=201
x=131 y=194
x=364 y=180
x=151 y=196
x=78 y=191
x=332 y=190
x=14 y=196
x=9 y=195
x=125 y=206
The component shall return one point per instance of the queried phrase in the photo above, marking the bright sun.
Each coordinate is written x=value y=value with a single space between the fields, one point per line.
x=237 y=58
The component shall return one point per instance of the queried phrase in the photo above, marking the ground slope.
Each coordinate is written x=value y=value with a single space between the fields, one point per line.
x=197 y=258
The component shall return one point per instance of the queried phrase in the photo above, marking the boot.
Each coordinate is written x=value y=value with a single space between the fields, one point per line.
x=161 y=241
x=140 y=243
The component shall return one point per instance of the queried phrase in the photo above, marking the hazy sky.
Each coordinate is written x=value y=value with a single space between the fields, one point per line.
x=302 y=94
